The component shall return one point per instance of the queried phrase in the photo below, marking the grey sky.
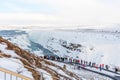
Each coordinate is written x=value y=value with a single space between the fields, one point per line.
x=59 y=12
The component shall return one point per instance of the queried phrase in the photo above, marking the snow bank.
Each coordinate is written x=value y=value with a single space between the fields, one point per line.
x=3 y=49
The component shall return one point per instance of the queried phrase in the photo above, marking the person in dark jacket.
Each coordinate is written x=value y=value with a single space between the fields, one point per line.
x=86 y=63
x=58 y=58
x=65 y=59
x=89 y=63
x=107 y=67
x=116 y=69
x=79 y=67
x=100 y=67
x=81 y=62
x=62 y=59
x=45 y=57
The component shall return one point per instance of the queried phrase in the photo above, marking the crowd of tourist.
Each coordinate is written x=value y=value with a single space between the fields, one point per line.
x=81 y=62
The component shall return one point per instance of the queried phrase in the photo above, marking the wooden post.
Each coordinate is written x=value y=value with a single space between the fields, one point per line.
x=64 y=66
x=10 y=76
x=41 y=76
x=5 y=75
x=16 y=77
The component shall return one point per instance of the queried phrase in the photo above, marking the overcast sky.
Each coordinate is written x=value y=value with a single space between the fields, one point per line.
x=59 y=12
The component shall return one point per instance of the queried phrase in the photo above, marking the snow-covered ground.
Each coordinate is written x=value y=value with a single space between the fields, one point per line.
x=96 y=47
x=86 y=75
x=15 y=65
x=12 y=64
